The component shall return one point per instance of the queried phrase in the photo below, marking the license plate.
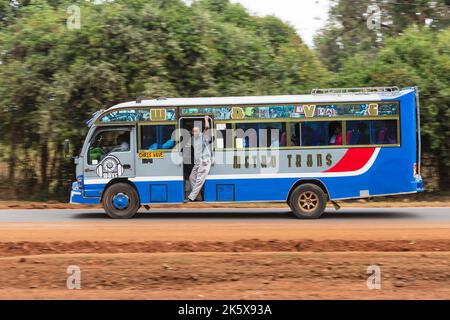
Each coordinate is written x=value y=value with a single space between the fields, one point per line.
x=151 y=154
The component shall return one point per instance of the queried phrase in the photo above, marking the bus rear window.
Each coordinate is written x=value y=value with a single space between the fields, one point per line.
x=372 y=132
x=157 y=137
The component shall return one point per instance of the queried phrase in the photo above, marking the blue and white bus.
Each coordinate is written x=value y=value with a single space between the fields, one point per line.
x=303 y=150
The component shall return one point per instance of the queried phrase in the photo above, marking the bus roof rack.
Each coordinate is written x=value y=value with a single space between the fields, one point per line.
x=363 y=90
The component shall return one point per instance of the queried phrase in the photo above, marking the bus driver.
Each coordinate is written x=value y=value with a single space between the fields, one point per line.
x=201 y=143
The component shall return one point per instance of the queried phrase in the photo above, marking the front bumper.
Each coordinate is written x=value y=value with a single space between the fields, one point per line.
x=76 y=196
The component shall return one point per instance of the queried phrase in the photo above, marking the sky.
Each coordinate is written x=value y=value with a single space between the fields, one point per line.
x=307 y=16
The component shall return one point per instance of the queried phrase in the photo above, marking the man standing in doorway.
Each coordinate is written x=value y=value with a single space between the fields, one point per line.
x=201 y=143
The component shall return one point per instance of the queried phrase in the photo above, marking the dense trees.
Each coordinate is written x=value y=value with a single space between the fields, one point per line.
x=421 y=58
x=413 y=50
x=360 y=25
x=53 y=78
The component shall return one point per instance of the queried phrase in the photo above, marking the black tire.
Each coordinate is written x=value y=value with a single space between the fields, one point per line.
x=308 y=201
x=129 y=209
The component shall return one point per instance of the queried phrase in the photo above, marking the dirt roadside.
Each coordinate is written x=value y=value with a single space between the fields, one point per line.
x=271 y=275
x=225 y=259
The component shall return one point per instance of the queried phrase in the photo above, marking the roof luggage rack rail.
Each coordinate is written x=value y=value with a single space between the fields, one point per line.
x=363 y=90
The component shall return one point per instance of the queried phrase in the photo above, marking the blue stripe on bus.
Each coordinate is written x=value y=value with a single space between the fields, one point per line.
x=149 y=192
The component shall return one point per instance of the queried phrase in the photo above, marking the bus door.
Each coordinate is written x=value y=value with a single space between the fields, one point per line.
x=187 y=123
x=110 y=154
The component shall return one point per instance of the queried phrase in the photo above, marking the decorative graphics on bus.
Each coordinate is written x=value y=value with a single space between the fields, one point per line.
x=353 y=160
x=307 y=111
x=110 y=168
x=257 y=112
x=237 y=113
x=126 y=115
x=310 y=160
x=158 y=114
x=151 y=154
x=297 y=111
x=387 y=109
x=254 y=161
x=327 y=162
x=133 y=115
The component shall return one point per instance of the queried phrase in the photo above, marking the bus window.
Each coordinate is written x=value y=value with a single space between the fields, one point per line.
x=387 y=132
x=224 y=135
x=335 y=134
x=321 y=133
x=372 y=132
x=359 y=132
x=247 y=135
x=157 y=137
x=294 y=140
x=106 y=142
x=261 y=135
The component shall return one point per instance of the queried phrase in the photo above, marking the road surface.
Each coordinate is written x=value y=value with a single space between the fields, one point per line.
x=194 y=214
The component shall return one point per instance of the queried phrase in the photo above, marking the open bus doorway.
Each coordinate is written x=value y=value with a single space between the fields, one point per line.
x=188 y=123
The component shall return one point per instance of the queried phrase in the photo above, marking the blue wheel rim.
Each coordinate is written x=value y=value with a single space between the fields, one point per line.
x=121 y=201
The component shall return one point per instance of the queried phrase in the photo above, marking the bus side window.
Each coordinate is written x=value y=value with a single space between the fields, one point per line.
x=321 y=133
x=294 y=140
x=261 y=135
x=372 y=132
x=224 y=136
x=157 y=137
x=359 y=132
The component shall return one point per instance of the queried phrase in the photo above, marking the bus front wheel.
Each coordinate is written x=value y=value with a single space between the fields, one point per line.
x=308 y=201
x=121 y=201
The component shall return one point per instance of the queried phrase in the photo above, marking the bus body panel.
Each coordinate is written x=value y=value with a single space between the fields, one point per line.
x=346 y=172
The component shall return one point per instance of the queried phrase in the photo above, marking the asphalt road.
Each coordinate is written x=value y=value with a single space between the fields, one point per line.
x=193 y=214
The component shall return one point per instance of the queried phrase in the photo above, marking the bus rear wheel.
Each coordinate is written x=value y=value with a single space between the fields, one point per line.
x=308 y=201
x=121 y=201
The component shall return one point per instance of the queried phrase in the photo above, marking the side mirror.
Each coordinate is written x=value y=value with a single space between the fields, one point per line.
x=66 y=147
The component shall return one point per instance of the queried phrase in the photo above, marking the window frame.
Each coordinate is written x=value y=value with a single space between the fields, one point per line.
x=101 y=129
x=290 y=121
x=296 y=104
x=398 y=134
x=154 y=123
x=98 y=121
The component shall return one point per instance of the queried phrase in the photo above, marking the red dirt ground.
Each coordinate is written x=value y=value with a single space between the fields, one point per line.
x=225 y=259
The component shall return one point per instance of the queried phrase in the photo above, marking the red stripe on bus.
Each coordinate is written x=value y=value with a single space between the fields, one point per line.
x=354 y=159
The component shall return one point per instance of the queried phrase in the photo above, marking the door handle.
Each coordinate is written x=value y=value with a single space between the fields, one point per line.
x=89 y=170
x=127 y=166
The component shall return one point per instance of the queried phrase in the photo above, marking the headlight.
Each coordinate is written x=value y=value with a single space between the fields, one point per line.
x=80 y=182
x=75 y=186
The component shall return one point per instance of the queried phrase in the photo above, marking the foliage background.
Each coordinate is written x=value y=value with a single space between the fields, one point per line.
x=52 y=79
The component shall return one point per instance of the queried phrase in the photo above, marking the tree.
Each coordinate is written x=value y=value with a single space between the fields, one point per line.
x=361 y=26
x=420 y=57
x=52 y=79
